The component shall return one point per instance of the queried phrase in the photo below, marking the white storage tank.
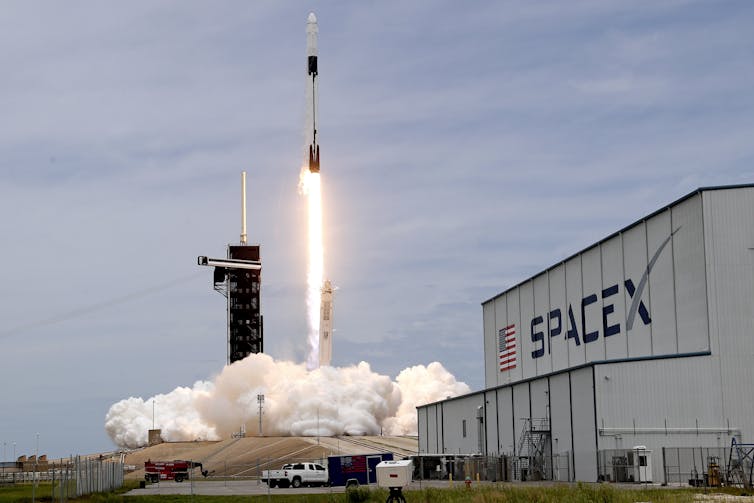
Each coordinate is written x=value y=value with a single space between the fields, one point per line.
x=395 y=473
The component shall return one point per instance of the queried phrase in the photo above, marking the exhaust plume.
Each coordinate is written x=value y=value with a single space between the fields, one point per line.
x=350 y=400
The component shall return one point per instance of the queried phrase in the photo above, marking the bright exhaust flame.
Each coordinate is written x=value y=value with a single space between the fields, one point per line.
x=311 y=188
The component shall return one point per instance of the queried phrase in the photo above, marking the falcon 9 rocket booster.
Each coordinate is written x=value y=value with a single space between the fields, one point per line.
x=311 y=60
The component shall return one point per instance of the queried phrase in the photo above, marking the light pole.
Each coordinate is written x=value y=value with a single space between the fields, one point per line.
x=34 y=482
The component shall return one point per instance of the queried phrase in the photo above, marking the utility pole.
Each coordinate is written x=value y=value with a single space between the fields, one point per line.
x=34 y=484
x=260 y=399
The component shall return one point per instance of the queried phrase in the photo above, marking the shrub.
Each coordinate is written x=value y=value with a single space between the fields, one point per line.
x=356 y=494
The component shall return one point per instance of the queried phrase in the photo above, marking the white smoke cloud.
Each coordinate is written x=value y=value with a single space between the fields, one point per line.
x=420 y=385
x=326 y=401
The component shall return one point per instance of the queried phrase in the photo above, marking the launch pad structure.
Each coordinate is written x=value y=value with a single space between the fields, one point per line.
x=239 y=279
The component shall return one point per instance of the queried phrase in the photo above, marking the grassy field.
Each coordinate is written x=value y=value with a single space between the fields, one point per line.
x=582 y=493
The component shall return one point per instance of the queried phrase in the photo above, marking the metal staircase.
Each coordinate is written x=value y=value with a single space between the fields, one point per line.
x=532 y=460
x=741 y=464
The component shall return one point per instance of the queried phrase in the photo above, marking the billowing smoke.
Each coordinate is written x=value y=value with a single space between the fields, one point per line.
x=326 y=401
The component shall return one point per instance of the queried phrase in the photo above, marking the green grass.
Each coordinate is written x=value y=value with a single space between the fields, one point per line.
x=510 y=493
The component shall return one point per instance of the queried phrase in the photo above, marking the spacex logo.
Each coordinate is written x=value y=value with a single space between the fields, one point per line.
x=609 y=326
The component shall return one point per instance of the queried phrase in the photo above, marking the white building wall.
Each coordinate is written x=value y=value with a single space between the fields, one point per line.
x=491 y=423
x=641 y=292
x=663 y=402
x=556 y=322
x=583 y=425
x=454 y=413
x=634 y=264
x=421 y=427
x=690 y=276
x=520 y=411
x=729 y=244
x=688 y=380
x=560 y=415
x=506 y=420
x=491 y=350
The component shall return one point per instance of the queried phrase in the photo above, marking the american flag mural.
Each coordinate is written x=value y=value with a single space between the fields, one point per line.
x=507 y=347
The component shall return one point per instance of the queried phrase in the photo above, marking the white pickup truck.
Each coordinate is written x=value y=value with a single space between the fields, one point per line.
x=297 y=475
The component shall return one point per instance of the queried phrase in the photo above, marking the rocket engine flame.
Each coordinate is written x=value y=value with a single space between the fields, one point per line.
x=311 y=188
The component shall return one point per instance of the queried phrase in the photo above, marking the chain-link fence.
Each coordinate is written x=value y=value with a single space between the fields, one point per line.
x=697 y=466
x=624 y=465
x=70 y=478
x=561 y=466
x=555 y=467
x=458 y=467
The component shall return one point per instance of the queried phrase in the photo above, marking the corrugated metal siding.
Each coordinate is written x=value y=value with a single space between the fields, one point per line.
x=729 y=239
x=634 y=265
x=490 y=346
x=675 y=392
x=614 y=306
x=528 y=367
x=593 y=295
x=558 y=344
x=560 y=414
x=661 y=295
x=454 y=413
x=591 y=266
x=491 y=423
x=513 y=318
x=584 y=438
x=506 y=440
x=421 y=416
x=713 y=233
x=520 y=409
x=501 y=321
x=690 y=276
x=541 y=307
x=433 y=428
x=574 y=290
x=540 y=401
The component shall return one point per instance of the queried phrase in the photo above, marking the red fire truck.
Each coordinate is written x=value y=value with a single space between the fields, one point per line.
x=170 y=470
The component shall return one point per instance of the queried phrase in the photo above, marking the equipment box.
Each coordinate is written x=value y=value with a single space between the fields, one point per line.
x=394 y=473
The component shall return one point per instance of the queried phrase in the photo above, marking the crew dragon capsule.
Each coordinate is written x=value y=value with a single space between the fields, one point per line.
x=311 y=52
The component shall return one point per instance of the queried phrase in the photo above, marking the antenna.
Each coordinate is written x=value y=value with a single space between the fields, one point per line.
x=243 y=207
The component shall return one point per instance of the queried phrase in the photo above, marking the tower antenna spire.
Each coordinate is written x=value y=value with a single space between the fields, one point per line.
x=243 y=207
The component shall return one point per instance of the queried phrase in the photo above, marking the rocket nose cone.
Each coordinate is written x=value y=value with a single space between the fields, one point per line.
x=312 y=18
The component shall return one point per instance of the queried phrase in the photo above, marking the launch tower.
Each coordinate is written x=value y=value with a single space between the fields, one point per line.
x=239 y=279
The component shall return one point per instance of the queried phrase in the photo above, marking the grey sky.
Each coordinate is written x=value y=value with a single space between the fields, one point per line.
x=465 y=146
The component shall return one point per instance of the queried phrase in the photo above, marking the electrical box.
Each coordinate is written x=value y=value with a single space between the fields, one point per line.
x=395 y=473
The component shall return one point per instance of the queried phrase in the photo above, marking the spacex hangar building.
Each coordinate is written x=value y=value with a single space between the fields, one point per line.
x=645 y=338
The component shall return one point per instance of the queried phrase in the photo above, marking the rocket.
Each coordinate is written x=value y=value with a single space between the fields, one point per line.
x=311 y=59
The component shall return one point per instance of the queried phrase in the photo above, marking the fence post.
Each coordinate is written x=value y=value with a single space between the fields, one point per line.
x=664 y=469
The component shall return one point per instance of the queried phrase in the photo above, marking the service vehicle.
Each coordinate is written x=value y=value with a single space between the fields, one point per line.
x=177 y=470
x=297 y=475
x=356 y=469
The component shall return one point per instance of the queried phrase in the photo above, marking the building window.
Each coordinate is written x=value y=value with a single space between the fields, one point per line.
x=463 y=428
